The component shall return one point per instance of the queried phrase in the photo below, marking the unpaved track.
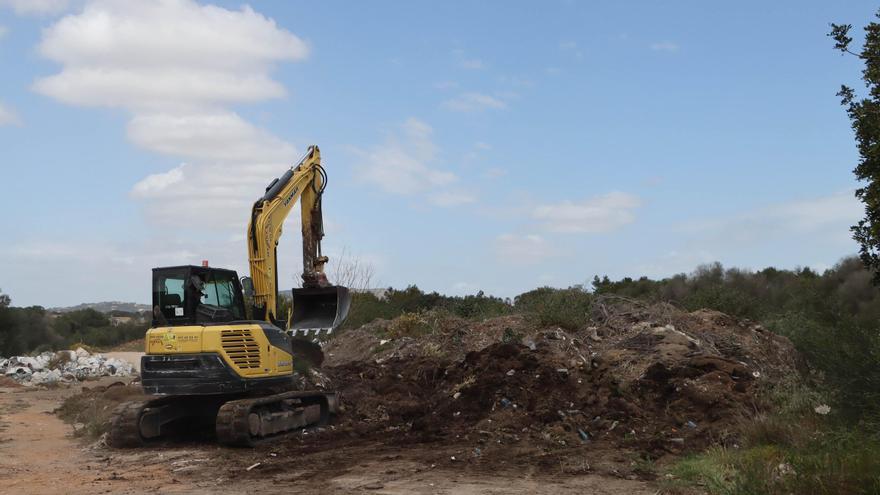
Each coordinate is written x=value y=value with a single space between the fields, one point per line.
x=38 y=455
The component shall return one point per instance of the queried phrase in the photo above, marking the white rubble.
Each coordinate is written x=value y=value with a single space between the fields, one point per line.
x=62 y=366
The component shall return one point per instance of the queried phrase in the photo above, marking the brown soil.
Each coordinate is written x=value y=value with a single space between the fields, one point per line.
x=644 y=382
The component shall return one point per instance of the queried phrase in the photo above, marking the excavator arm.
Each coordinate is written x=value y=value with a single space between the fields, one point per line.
x=318 y=306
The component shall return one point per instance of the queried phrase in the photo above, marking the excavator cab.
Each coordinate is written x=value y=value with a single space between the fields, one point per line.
x=192 y=295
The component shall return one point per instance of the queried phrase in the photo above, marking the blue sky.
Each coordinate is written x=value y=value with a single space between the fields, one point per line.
x=493 y=146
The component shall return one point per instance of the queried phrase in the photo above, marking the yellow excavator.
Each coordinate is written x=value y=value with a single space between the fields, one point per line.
x=208 y=363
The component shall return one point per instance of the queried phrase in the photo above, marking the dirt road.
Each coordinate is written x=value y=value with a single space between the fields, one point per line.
x=38 y=454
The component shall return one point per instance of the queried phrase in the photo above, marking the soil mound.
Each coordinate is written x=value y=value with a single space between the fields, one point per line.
x=652 y=380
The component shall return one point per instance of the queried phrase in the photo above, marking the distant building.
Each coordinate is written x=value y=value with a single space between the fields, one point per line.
x=120 y=320
x=379 y=293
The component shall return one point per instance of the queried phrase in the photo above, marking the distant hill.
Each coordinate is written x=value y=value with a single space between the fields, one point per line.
x=106 y=307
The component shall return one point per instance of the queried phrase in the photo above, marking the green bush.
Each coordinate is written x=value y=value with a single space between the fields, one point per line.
x=567 y=308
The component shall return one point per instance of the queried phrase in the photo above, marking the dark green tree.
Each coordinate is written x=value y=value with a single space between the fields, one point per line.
x=864 y=113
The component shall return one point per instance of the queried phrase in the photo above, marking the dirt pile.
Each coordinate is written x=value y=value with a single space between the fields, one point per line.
x=652 y=380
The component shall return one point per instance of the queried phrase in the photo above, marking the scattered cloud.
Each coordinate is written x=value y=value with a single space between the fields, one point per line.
x=403 y=164
x=529 y=249
x=517 y=82
x=444 y=85
x=144 y=54
x=572 y=48
x=822 y=216
x=472 y=64
x=157 y=184
x=8 y=116
x=474 y=102
x=674 y=262
x=495 y=172
x=176 y=66
x=451 y=198
x=594 y=215
x=466 y=62
x=36 y=7
x=209 y=135
x=480 y=145
x=464 y=288
x=664 y=46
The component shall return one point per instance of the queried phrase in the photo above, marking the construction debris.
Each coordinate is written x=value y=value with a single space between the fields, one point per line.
x=651 y=379
x=62 y=367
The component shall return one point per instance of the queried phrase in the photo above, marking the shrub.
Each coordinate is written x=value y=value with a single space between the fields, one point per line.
x=567 y=308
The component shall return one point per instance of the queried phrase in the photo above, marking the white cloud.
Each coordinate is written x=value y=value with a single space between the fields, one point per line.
x=451 y=198
x=495 y=172
x=208 y=135
x=480 y=145
x=472 y=102
x=529 y=249
x=175 y=65
x=664 y=46
x=599 y=214
x=472 y=64
x=3 y=31
x=36 y=7
x=444 y=85
x=155 y=184
x=8 y=116
x=142 y=54
x=403 y=164
x=822 y=216
x=571 y=47
x=465 y=62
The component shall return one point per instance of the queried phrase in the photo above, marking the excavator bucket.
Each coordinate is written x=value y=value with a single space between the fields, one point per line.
x=319 y=311
x=316 y=313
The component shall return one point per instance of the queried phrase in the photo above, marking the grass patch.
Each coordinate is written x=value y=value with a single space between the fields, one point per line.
x=91 y=410
x=832 y=462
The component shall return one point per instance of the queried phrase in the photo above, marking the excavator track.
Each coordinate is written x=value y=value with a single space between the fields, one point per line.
x=126 y=423
x=253 y=421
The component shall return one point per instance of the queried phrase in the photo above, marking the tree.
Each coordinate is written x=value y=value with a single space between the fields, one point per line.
x=864 y=113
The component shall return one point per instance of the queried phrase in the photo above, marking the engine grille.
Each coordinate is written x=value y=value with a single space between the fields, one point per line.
x=241 y=348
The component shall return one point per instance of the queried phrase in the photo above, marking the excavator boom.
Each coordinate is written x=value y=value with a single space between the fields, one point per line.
x=318 y=308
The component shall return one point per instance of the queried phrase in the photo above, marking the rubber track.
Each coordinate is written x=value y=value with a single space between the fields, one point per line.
x=232 y=419
x=125 y=431
x=125 y=427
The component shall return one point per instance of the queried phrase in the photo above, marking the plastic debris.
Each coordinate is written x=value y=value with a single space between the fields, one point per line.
x=585 y=437
x=822 y=409
x=62 y=366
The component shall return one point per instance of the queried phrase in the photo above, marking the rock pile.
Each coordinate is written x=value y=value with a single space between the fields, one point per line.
x=62 y=366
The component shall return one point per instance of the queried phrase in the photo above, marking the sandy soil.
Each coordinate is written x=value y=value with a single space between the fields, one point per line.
x=38 y=454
